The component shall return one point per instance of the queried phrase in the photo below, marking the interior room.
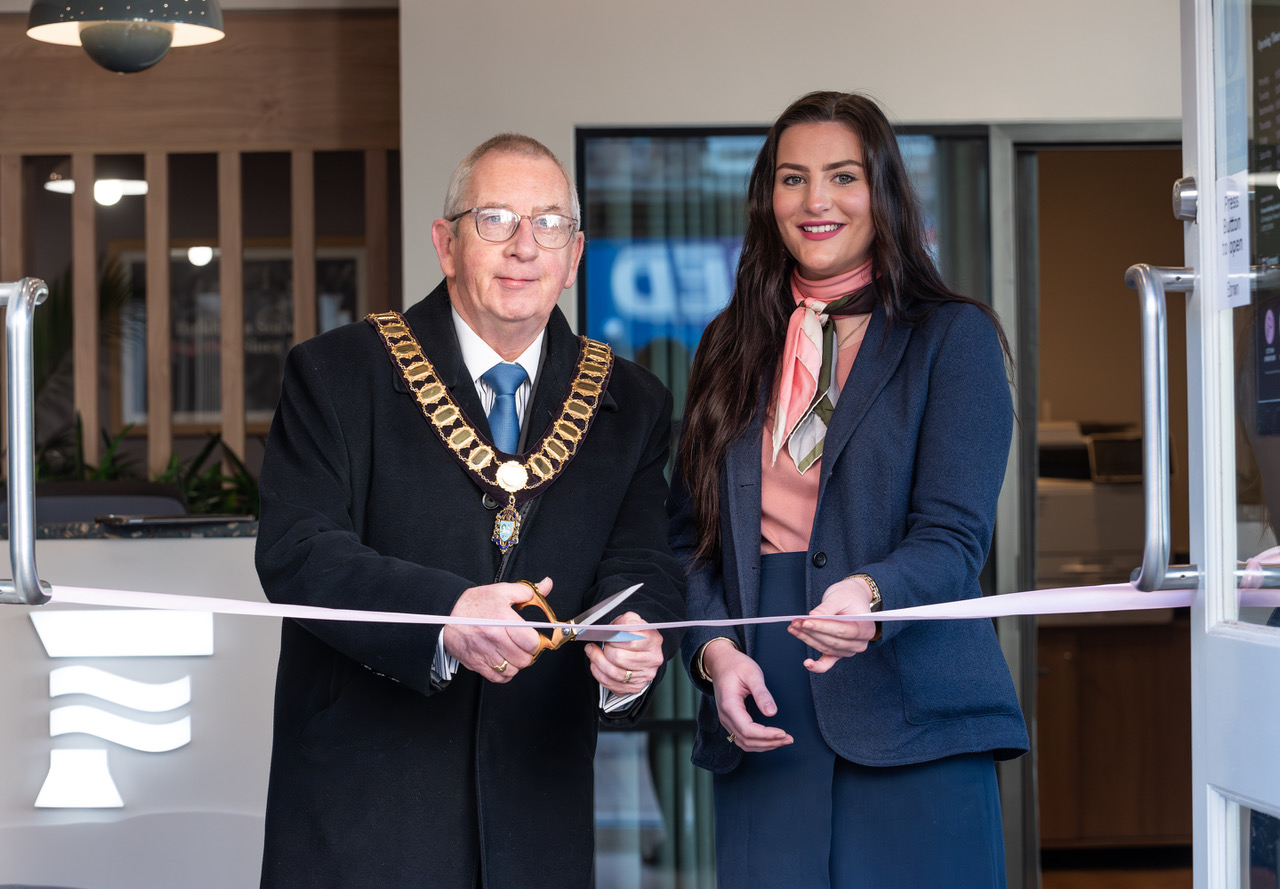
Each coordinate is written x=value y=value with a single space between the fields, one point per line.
x=1113 y=696
x=308 y=152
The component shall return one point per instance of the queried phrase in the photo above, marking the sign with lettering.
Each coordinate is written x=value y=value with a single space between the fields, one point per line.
x=657 y=294
x=1233 y=197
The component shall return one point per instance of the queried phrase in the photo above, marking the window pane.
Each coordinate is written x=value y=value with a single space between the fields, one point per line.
x=664 y=217
x=195 y=290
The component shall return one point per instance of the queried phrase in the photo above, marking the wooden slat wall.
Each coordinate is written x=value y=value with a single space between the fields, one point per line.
x=84 y=302
x=375 y=230
x=231 y=274
x=11 y=217
x=159 y=323
x=303 y=197
x=11 y=263
x=301 y=82
x=319 y=79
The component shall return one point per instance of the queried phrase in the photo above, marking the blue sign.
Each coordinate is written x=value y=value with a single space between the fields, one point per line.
x=640 y=292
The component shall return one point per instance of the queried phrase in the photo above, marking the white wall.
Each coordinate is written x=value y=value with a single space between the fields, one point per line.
x=563 y=63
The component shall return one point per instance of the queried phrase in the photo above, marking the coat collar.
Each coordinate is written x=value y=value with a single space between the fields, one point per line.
x=559 y=358
x=432 y=324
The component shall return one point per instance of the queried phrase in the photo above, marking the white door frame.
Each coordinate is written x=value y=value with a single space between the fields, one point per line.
x=1014 y=547
x=1235 y=667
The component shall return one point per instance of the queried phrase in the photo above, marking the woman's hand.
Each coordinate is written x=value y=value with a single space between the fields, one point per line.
x=836 y=638
x=735 y=678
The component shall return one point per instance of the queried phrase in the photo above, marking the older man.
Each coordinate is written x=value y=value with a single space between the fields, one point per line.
x=445 y=462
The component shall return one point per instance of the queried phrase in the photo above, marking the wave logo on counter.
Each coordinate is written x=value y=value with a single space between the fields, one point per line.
x=81 y=777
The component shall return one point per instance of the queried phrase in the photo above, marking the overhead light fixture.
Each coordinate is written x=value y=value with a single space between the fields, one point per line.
x=116 y=178
x=125 y=36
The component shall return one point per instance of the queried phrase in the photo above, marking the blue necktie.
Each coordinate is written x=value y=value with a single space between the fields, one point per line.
x=504 y=380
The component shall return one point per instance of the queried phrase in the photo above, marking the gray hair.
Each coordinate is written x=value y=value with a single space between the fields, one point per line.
x=505 y=143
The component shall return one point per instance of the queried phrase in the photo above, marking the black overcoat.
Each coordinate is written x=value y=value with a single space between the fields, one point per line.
x=377 y=780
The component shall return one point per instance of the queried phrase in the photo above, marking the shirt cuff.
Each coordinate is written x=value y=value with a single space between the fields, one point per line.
x=443 y=666
x=612 y=703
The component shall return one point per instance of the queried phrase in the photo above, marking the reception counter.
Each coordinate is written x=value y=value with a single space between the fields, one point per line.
x=136 y=743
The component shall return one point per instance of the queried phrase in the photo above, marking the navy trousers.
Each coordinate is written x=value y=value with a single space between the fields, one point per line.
x=801 y=817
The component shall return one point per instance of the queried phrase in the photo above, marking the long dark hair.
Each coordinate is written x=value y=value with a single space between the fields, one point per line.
x=741 y=347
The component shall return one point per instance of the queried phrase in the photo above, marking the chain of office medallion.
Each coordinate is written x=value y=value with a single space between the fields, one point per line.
x=477 y=455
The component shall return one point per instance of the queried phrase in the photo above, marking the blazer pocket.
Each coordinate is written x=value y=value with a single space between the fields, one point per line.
x=952 y=670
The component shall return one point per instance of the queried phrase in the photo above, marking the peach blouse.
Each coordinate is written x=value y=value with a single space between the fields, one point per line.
x=788 y=499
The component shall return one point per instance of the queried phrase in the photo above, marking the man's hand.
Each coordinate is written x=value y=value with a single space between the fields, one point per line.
x=495 y=653
x=736 y=677
x=625 y=667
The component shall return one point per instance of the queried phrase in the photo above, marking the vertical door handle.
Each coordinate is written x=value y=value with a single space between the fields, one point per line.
x=1156 y=573
x=20 y=299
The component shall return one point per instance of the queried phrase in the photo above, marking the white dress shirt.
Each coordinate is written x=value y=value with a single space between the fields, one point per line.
x=479 y=356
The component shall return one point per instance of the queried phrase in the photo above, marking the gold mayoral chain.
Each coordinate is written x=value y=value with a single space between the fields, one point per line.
x=520 y=478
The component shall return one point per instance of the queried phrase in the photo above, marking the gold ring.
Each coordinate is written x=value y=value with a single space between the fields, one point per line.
x=627 y=678
x=500 y=667
x=732 y=735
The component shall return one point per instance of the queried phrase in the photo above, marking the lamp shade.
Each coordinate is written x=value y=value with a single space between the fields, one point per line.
x=125 y=36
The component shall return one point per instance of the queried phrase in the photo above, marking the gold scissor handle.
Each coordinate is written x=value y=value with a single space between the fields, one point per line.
x=557 y=637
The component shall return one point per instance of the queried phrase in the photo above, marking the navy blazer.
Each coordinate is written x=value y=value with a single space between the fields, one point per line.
x=912 y=466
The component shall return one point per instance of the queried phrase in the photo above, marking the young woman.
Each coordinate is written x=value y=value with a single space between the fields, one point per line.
x=845 y=439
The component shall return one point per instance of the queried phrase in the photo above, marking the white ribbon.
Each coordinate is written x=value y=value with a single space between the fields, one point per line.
x=1062 y=600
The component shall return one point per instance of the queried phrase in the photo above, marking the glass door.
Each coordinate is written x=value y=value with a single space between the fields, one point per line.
x=1231 y=126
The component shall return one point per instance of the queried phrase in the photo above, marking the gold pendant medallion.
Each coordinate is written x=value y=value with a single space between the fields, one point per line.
x=511 y=476
x=524 y=477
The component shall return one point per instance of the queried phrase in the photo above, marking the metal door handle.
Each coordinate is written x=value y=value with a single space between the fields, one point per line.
x=1156 y=573
x=20 y=299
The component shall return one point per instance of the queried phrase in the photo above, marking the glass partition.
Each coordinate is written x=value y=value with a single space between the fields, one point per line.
x=1248 y=163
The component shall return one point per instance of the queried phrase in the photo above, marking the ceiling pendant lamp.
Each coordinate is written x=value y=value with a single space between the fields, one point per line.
x=125 y=36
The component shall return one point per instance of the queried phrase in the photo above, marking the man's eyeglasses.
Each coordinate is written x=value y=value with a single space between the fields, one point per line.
x=550 y=230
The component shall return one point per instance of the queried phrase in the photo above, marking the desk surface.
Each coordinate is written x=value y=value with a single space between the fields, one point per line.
x=191 y=526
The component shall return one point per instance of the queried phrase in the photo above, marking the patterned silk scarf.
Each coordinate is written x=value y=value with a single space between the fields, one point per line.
x=807 y=387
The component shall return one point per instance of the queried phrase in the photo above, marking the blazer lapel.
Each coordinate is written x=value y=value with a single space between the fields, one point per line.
x=742 y=479
x=877 y=360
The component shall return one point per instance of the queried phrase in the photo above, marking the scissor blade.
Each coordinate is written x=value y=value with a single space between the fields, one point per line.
x=604 y=634
x=600 y=609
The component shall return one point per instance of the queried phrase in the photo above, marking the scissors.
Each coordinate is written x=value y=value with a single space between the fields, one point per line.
x=576 y=629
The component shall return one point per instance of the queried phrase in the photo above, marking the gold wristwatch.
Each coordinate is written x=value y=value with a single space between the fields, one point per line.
x=876 y=604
